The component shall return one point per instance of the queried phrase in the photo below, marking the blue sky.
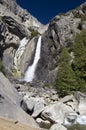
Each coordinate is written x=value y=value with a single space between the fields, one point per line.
x=45 y=10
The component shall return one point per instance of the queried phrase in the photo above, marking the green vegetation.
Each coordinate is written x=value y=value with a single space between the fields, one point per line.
x=66 y=80
x=79 y=63
x=83 y=17
x=77 y=127
x=62 y=14
x=33 y=32
x=72 y=76
x=16 y=73
x=46 y=85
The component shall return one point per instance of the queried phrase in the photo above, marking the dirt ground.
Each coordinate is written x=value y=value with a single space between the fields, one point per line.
x=6 y=124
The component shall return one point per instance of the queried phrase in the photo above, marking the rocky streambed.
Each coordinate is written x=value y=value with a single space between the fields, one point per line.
x=52 y=112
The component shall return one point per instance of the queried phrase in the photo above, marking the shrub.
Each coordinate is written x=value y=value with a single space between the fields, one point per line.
x=33 y=32
x=83 y=17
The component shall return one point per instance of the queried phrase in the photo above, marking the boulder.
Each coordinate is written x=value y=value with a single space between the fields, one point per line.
x=34 y=105
x=67 y=98
x=43 y=123
x=70 y=101
x=70 y=119
x=79 y=96
x=8 y=91
x=58 y=127
x=30 y=102
x=82 y=107
x=81 y=99
x=38 y=108
x=10 y=103
x=56 y=112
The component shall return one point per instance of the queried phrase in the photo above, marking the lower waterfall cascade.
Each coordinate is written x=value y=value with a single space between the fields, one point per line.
x=30 y=73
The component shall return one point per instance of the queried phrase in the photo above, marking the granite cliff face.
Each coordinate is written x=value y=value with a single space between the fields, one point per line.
x=23 y=15
x=15 y=24
x=61 y=33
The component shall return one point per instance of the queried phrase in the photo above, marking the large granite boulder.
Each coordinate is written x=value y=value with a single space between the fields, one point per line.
x=58 y=127
x=56 y=112
x=43 y=123
x=33 y=105
x=81 y=99
x=8 y=91
x=10 y=103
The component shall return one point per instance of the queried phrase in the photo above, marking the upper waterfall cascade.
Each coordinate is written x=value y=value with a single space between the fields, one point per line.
x=29 y=75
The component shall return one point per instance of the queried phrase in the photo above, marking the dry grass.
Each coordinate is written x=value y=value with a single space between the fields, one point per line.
x=6 y=124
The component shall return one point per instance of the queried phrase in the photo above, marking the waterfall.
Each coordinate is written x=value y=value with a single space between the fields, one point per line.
x=20 y=52
x=29 y=75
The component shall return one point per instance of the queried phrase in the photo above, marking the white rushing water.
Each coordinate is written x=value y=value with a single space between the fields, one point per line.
x=29 y=75
x=20 y=51
x=81 y=120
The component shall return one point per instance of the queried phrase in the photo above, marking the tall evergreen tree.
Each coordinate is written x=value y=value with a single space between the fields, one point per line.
x=79 y=63
x=66 y=80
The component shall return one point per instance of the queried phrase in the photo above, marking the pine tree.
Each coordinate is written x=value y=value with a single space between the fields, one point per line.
x=79 y=63
x=66 y=80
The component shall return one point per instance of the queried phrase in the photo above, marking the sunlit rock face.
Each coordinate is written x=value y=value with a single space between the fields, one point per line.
x=23 y=15
x=61 y=32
